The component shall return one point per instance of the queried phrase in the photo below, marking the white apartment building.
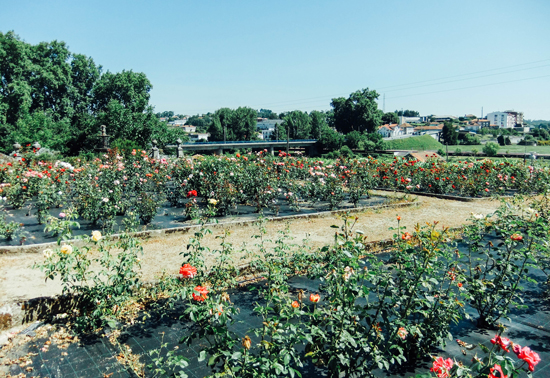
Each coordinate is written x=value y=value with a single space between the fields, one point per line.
x=506 y=119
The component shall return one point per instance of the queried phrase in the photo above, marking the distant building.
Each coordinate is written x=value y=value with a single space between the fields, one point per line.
x=178 y=122
x=199 y=137
x=406 y=129
x=442 y=118
x=434 y=130
x=267 y=127
x=389 y=130
x=189 y=128
x=421 y=119
x=506 y=120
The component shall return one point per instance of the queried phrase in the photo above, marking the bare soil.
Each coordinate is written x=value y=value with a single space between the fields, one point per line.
x=19 y=282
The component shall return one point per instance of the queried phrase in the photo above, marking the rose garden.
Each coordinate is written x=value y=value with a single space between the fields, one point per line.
x=345 y=309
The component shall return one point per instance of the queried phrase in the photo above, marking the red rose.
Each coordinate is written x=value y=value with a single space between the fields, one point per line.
x=498 y=370
x=295 y=304
x=314 y=298
x=516 y=237
x=203 y=291
x=503 y=342
x=527 y=355
x=192 y=193
x=442 y=367
x=188 y=271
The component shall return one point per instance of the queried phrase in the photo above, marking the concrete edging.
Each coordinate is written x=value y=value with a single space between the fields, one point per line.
x=38 y=248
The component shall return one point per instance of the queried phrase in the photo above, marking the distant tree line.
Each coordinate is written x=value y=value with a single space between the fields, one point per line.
x=60 y=99
x=407 y=113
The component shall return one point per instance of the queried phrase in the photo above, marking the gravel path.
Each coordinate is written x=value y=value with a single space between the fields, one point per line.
x=19 y=282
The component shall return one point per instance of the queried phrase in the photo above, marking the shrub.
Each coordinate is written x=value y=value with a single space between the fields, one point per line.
x=490 y=149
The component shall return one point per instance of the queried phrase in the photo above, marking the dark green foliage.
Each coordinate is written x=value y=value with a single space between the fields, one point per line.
x=528 y=140
x=490 y=149
x=358 y=112
x=318 y=122
x=407 y=113
x=298 y=124
x=330 y=139
x=354 y=139
x=503 y=141
x=266 y=113
x=470 y=140
x=60 y=99
x=373 y=142
x=238 y=124
x=390 y=117
x=449 y=135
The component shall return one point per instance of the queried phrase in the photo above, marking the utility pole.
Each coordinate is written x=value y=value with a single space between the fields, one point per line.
x=287 y=137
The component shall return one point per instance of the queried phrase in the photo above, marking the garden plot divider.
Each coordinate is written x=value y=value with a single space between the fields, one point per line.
x=225 y=222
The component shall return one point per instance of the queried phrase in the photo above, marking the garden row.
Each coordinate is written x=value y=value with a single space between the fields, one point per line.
x=366 y=313
x=135 y=185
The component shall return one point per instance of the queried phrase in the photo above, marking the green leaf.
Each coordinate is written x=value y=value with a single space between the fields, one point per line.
x=202 y=355
x=212 y=360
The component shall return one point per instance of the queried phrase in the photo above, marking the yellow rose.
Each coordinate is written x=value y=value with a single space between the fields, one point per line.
x=66 y=249
x=96 y=235
x=212 y=201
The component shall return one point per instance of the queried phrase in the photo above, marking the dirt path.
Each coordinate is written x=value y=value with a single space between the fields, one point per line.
x=18 y=281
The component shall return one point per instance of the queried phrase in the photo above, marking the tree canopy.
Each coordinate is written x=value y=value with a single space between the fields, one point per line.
x=407 y=113
x=390 y=118
x=238 y=124
x=357 y=112
x=449 y=133
x=60 y=99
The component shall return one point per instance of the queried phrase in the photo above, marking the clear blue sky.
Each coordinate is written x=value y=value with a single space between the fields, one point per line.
x=434 y=56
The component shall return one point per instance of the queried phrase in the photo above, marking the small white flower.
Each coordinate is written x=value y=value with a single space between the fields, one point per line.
x=66 y=249
x=105 y=199
x=96 y=236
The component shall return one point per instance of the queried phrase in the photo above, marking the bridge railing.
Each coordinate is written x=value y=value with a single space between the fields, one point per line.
x=251 y=141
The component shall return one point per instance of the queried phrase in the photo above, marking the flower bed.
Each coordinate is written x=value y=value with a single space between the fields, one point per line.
x=340 y=309
x=135 y=188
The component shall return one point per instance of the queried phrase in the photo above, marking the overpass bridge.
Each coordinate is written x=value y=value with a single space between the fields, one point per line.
x=271 y=145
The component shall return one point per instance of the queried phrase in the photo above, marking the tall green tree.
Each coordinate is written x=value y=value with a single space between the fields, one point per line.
x=390 y=117
x=357 y=112
x=222 y=120
x=297 y=124
x=318 y=122
x=239 y=124
x=449 y=133
x=49 y=95
x=245 y=124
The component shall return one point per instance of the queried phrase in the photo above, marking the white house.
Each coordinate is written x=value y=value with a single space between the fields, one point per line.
x=506 y=120
x=178 y=122
x=189 y=128
x=389 y=130
x=406 y=129
x=199 y=137
x=267 y=127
